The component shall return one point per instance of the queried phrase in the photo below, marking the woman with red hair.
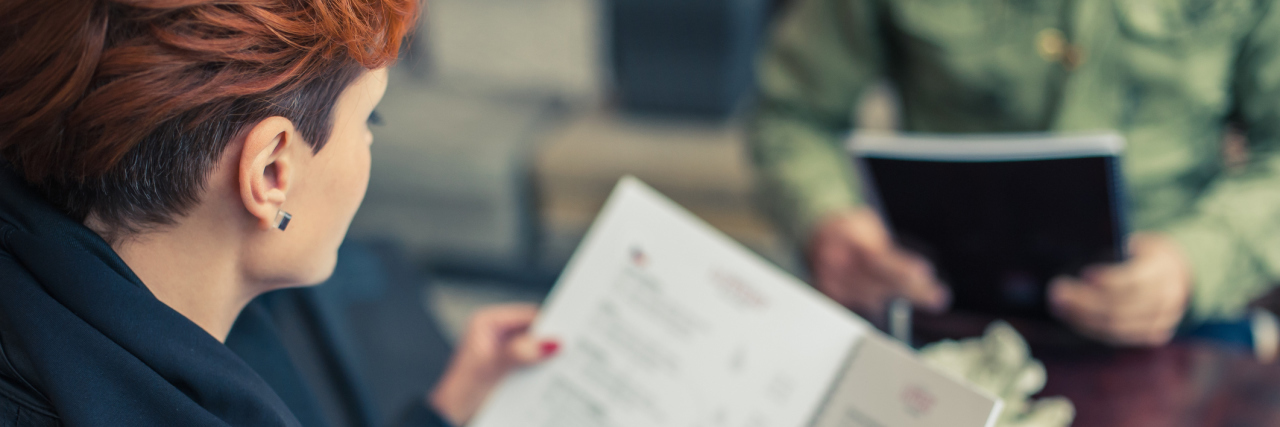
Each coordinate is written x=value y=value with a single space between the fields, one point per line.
x=164 y=162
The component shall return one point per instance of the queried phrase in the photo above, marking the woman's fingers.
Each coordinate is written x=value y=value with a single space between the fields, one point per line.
x=524 y=350
x=497 y=340
x=504 y=319
x=505 y=329
x=492 y=327
x=502 y=333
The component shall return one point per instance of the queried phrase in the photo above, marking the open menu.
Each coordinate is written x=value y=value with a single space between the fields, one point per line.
x=664 y=321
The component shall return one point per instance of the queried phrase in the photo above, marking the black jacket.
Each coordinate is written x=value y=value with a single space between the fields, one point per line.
x=83 y=342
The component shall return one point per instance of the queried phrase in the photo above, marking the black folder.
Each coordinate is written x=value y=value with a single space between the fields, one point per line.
x=999 y=215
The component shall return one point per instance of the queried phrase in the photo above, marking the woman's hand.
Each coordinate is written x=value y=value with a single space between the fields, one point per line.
x=1135 y=303
x=497 y=341
x=855 y=261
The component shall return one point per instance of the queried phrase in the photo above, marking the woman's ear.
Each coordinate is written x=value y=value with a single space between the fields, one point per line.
x=267 y=168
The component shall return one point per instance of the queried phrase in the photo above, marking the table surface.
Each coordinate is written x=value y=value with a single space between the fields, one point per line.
x=1180 y=384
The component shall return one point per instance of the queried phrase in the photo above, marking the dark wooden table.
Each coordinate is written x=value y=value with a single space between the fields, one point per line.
x=1181 y=384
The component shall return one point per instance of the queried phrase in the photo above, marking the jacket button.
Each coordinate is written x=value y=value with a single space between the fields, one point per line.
x=1053 y=47
x=1051 y=44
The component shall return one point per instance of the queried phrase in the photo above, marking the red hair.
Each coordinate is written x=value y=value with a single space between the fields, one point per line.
x=98 y=96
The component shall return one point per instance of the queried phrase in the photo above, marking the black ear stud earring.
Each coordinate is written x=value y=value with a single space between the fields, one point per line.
x=282 y=219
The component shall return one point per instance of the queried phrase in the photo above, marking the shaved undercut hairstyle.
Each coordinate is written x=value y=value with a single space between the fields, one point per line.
x=120 y=108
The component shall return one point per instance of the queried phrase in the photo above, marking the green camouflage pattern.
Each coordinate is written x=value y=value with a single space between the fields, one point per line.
x=1166 y=74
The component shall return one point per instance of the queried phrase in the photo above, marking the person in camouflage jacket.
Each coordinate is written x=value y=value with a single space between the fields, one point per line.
x=1168 y=75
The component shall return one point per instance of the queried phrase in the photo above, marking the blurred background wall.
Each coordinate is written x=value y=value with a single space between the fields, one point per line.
x=509 y=121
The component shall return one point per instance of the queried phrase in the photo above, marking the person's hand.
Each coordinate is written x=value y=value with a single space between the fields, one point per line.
x=1135 y=303
x=855 y=261
x=497 y=341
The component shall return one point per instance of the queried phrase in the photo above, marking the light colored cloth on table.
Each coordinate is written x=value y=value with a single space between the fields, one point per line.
x=1000 y=363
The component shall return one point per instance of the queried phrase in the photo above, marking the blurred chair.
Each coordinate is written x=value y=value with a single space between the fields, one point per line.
x=684 y=57
x=451 y=178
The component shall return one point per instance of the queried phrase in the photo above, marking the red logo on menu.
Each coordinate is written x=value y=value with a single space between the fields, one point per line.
x=738 y=291
x=917 y=400
x=638 y=258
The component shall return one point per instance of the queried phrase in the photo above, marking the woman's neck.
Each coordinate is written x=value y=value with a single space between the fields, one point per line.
x=192 y=269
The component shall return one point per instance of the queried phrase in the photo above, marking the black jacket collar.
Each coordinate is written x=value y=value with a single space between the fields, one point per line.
x=100 y=347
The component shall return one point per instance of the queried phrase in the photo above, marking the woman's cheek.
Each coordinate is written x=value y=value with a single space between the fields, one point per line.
x=352 y=184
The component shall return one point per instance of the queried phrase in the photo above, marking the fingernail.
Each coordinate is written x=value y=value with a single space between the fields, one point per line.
x=549 y=348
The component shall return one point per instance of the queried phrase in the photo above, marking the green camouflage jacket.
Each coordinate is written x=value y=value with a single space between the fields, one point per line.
x=1166 y=74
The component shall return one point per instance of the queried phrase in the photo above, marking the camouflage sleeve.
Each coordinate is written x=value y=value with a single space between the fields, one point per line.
x=821 y=57
x=1233 y=238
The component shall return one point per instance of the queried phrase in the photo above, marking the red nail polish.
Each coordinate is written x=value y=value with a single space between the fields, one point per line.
x=549 y=348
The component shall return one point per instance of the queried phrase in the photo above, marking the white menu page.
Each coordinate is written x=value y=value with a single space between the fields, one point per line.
x=664 y=321
x=886 y=385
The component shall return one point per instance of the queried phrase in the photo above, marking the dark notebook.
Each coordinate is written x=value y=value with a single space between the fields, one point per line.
x=999 y=215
